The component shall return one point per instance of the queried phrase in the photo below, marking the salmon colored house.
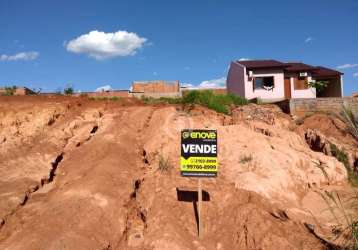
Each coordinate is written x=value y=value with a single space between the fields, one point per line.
x=271 y=80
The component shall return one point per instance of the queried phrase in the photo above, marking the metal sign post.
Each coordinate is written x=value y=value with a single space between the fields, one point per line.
x=200 y=199
x=199 y=159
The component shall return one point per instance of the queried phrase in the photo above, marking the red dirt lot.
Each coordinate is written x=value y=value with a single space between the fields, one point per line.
x=84 y=174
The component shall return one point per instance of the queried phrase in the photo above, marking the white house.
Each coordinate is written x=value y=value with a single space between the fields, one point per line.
x=272 y=80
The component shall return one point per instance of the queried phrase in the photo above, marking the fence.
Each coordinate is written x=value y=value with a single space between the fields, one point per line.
x=305 y=106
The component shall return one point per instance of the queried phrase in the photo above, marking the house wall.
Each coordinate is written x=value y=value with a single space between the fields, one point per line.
x=277 y=93
x=306 y=106
x=302 y=93
x=235 y=81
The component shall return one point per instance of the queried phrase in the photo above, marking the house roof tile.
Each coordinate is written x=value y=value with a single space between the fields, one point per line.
x=290 y=67
x=297 y=66
x=256 y=64
x=322 y=71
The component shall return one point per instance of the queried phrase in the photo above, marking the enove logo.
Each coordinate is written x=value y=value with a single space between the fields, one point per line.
x=199 y=135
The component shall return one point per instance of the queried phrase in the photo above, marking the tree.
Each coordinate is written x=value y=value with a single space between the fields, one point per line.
x=319 y=85
x=68 y=91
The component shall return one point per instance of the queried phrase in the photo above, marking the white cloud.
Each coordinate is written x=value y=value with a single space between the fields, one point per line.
x=309 y=39
x=214 y=83
x=207 y=84
x=104 y=88
x=101 y=45
x=22 y=56
x=187 y=85
x=347 y=66
x=355 y=74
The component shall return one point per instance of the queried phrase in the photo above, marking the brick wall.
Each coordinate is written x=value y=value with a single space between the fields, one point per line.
x=302 y=107
x=121 y=93
x=155 y=87
x=156 y=95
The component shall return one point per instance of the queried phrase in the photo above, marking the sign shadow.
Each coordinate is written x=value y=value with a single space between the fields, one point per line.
x=192 y=196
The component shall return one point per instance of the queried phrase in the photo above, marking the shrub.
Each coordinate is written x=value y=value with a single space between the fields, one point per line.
x=152 y=100
x=114 y=98
x=343 y=212
x=218 y=102
x=246 y=159
x=147 y=100
x=163 y=165
x=169 y=100
x=68 y=91
x=10 y=90
x=351 y=121
x=319 y=85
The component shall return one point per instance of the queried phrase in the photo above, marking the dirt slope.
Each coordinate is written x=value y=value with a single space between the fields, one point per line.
x=79 y=174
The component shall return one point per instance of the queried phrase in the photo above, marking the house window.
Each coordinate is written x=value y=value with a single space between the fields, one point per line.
x=266 y=83
x=301 y=83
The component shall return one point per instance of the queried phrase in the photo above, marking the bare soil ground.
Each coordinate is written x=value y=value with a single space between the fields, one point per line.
x=83 y=174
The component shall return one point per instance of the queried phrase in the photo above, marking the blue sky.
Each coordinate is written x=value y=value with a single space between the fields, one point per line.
x=87 y=44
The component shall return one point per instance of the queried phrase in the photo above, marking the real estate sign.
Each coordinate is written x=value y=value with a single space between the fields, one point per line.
x=198 y=153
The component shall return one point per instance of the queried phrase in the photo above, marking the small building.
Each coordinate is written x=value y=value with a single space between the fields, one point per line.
x=156 y=89
x=271 y=80
x=17 y=91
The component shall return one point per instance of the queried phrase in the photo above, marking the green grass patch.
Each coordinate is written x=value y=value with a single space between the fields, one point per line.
x=104 y=98
x=342 y=156
x=152 y=100
x=221 y=103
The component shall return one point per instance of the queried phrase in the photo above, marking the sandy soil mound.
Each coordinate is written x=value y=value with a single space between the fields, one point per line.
x=90 y=179
x=325 y=130
x=330 y=126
